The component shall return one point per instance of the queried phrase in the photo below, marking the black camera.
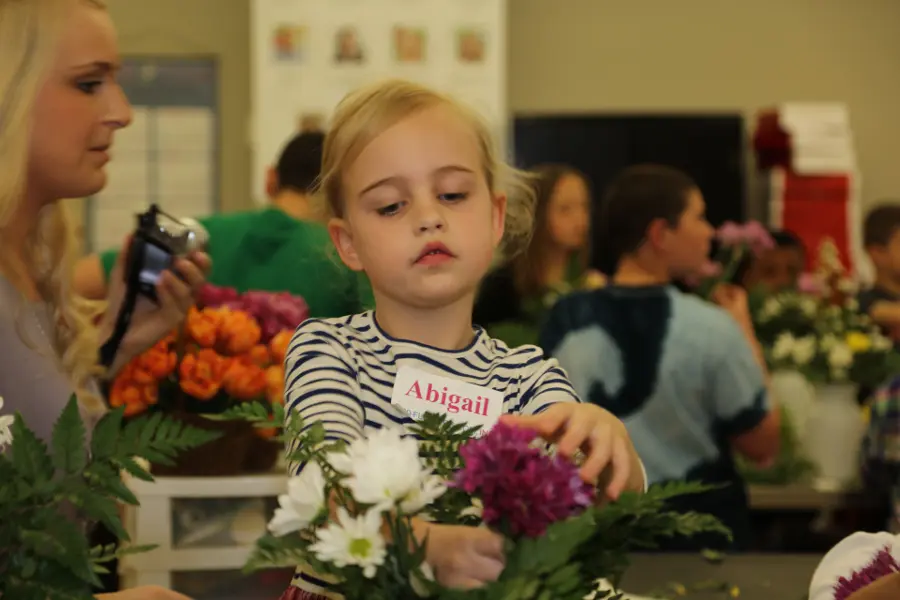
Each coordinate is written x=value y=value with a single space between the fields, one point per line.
x=157 y=242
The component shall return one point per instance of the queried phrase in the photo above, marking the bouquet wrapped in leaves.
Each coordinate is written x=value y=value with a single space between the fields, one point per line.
x=50 y=494
x=349 y=514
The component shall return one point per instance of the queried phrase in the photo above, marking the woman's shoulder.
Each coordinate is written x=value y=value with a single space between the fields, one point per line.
x=856 y=560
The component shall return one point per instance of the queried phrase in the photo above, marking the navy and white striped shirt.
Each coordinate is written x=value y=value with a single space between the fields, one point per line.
x=340 y=372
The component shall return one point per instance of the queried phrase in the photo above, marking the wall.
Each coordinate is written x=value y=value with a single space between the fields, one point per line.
x=657 y=55
x=615 y=55
x=217 y=28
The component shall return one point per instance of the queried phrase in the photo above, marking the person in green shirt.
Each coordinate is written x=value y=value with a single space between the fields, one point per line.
x=279 y=248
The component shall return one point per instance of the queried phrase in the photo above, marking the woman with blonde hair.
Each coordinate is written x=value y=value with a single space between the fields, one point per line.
x=60 y=106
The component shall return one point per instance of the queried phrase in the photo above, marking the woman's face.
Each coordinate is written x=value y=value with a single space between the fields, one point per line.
x=77 y=110
x=569 y=213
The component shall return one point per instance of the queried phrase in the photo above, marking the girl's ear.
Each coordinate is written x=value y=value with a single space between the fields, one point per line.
x=343 y=242
x=498 y=217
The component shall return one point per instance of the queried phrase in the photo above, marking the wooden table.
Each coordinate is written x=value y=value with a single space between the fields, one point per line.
x=804 y=497
x=757 y=576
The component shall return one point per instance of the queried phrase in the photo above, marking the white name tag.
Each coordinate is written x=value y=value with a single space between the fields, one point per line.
x=419 y=392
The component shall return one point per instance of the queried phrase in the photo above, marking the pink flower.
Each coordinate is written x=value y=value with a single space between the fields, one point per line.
x=882 y=564
x=730 y=234
x=751 y=234
x=213 y=296
x=275 y=311
x=808 y=283
x=519 y=485
x=758 y=237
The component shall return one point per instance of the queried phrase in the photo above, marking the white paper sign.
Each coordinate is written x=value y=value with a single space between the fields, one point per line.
x=419 y=392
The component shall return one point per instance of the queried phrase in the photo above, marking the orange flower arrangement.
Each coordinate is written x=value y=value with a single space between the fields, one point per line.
x=219 y=358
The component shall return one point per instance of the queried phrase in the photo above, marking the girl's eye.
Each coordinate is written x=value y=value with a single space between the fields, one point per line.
x=455 y=197
x=89 y=87
x=390 y=209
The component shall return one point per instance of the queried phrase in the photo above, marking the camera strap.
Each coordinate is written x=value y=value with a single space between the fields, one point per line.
x=110 y=348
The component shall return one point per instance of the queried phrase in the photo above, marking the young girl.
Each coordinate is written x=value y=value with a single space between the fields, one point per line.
x=416 y=199
x=514 y=298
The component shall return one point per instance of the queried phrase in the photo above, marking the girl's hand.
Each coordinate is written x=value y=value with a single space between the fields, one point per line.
x=596 y=432
x=146 y=592
x=462 y=557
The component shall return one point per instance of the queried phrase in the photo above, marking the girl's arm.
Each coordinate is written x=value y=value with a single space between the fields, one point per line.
x=320 y=384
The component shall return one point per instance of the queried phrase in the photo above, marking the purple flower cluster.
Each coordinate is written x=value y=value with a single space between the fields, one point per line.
x=883 y=564
x=274 y=311
x=520 y=485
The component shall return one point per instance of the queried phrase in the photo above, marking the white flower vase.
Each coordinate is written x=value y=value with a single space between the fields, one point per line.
x=795 y=395
x=833 y=435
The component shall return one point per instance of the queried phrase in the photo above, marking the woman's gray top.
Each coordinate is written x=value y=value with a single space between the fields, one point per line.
x=31 y=380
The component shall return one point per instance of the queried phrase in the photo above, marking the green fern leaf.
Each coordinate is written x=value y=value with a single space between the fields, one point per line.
x=105 y=436
x=29 y=454
x=69 y=445
x=131 y=466
x=61 y=541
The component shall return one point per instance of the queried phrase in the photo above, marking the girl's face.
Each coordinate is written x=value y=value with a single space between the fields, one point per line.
x=568 y=213
x=77 y=110
x=419 y=217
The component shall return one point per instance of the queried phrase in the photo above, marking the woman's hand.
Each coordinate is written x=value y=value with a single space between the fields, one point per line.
x=610 y=458
x=177 y=290
x=145 y=592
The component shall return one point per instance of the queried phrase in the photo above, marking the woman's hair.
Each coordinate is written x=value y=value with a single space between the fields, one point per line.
x=528 y=267
x=367 y=113
x=29 y=34
x=637 y=197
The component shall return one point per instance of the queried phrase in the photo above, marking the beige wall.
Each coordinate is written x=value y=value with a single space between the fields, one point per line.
x=624 y=55
x=218 y=28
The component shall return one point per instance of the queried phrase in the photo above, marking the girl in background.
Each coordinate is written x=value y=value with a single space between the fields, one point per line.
x=513 y=298
x=418 y=200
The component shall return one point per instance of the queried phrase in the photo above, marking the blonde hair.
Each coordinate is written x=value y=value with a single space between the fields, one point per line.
x=367 y=113
x=29 y=35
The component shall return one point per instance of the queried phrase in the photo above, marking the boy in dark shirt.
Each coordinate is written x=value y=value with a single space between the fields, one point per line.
x=881 y=236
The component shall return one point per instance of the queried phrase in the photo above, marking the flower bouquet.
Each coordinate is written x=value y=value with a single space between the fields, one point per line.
x=349 y=514
x=229 y=350
x=736 y=244
x=50 y=495
x=819 y=331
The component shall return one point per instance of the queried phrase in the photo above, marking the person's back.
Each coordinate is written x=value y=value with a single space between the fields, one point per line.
x=679 y=374
x=678 y=371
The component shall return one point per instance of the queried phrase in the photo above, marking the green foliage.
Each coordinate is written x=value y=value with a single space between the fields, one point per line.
x=50 y=494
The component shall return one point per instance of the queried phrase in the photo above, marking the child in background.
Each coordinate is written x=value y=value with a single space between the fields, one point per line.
x=514 y=298
x=418 y=201
x=686 y=377
x=881 y=237
x=776 y=269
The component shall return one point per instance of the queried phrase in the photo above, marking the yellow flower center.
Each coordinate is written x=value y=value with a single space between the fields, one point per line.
x=858 y=342
x=360 y=547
